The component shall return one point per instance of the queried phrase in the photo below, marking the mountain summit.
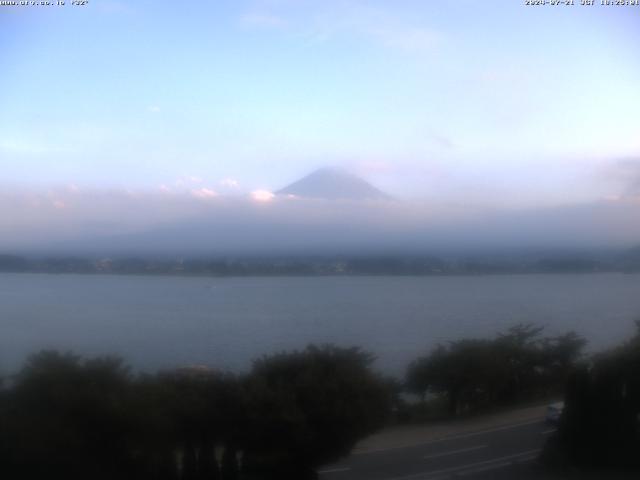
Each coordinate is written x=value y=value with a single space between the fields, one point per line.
x=333 y=184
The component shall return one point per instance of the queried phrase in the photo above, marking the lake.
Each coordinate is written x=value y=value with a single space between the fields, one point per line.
x=159 y=322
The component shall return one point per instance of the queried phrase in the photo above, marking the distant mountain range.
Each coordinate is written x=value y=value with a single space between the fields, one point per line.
x=333 y=184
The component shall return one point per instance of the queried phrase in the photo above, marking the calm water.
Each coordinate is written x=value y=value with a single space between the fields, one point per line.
x=168 y=321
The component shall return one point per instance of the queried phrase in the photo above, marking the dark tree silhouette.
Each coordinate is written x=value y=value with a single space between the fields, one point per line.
x=310 y=407
x=516 y=365
x=69 y=417
x=600 y=425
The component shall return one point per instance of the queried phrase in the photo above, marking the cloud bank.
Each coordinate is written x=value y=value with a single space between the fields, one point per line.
x=202 y=221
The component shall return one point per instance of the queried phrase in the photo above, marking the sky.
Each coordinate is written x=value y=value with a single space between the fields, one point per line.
x=446 y=103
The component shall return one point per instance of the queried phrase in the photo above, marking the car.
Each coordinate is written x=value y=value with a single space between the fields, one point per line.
x=554 y=412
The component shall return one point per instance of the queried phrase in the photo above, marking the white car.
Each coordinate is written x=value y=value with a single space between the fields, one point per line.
x=554 y=412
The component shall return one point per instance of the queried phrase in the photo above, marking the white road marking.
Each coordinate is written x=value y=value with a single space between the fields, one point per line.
x=469 y=468
x=334 y=470
x=451 y=437
x=453 y=452
x=495 y=466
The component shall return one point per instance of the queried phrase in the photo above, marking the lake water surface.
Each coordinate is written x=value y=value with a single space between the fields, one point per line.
x=157 y=322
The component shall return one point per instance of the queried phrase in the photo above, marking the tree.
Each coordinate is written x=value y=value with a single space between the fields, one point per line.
x=468 y=372
x=184 y=414
x=310 y=407
x=68 y=416
x=600 y=424
x=514 y=366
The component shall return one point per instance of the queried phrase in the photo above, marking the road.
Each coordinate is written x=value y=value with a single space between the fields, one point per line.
x=502 y=451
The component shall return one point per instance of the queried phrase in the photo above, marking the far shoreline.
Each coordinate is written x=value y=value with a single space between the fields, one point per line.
x=327 y=275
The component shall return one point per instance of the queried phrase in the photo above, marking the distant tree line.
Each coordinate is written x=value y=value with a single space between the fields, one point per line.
x=628 y=261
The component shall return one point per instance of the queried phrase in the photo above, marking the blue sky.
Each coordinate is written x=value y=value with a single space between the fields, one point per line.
x=494 y=100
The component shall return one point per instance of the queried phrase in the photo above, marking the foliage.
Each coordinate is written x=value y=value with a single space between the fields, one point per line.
x=515 y=366
x=600 y=425
x=313 y=405
x=69 y=417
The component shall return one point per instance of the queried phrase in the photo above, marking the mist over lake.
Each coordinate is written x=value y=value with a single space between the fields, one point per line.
x=157 y=322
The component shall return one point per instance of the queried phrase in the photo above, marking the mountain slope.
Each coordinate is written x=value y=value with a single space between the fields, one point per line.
x=333 y=184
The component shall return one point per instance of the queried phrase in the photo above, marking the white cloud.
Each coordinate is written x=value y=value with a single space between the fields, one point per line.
x=187 y=180
x=262 y=195
x=229 y=183
x=204 y=193
x=154 y=109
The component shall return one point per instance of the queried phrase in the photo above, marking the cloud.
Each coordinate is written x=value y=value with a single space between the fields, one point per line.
x=262 y=20
x=229 y=183
x=187 y=180
x=366 y=167
x=187 y=186
x=626 y=173
x=262 y=195
x=186 y=221
x=154 y=109
x=204 y=193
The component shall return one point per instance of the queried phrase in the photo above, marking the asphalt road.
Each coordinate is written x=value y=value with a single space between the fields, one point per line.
x=503 y=452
